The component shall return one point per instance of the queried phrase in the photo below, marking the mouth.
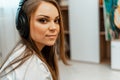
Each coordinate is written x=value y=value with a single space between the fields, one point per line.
x=51 y=36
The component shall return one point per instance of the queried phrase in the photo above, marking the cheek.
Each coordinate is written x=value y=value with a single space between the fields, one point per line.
x=36 y=31
x=58 y=29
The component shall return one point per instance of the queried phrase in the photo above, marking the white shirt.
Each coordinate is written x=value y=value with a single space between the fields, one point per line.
x=32 y=69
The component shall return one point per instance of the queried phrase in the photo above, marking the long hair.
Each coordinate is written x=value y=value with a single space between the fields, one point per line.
x=48 y=54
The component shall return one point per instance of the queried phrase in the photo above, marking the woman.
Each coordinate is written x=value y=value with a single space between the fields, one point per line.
x=40 y=26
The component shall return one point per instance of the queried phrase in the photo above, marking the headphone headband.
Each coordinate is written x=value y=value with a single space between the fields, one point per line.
x=22 y=23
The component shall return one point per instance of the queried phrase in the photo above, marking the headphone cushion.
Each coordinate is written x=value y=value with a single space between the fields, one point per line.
x=22 y=23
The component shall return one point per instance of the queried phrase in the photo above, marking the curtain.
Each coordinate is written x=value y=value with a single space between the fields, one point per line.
x=8 y=34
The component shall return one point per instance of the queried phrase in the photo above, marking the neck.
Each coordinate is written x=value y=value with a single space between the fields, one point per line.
x=39 y=46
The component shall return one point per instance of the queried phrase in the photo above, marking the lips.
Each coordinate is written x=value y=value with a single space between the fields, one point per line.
x=51 y=36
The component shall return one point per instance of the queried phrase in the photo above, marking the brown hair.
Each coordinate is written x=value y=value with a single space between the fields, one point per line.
x=48 y=54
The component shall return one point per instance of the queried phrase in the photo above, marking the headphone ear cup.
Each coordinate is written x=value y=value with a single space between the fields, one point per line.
x=22 y=23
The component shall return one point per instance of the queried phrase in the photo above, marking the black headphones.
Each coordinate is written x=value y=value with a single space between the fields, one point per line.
x=22 y=23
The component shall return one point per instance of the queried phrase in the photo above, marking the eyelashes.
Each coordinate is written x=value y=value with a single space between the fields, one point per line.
x=46 y=20
x=43 y=20
x=57 y=21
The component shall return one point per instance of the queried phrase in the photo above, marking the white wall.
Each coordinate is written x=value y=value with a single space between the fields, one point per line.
x=84 y=30
x=8 y=33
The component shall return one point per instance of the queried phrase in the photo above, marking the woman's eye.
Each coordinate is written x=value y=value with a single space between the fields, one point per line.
x=57 y=21
x=43 y=20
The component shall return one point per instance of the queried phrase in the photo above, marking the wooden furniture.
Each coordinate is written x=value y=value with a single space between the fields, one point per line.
x=64 y=10
x=104 y=45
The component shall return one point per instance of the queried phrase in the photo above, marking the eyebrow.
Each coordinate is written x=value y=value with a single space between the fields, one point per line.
x=48 y=16
x=44 y=16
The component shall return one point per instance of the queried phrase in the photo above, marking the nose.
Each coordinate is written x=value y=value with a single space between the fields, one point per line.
x=52 y=25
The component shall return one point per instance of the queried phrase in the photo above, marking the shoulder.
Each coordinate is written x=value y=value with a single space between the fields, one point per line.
x=33 y=69
x=33 y=66
x=38 y=69
x=17 y=51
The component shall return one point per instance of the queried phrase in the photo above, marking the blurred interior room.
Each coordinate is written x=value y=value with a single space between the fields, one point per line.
x=93 y=54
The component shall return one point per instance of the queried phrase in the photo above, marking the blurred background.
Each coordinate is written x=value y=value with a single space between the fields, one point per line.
x=90 y=53
x=8 y=33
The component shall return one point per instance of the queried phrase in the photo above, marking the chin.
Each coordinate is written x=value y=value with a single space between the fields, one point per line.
x=50 y=44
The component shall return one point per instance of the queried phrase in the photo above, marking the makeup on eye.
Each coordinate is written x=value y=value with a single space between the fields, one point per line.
x=44 y=19
x=57 y=20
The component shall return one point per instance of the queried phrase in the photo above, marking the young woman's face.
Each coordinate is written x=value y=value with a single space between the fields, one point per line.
x=44 y=25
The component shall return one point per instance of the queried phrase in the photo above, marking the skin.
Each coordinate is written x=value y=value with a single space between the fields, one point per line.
x=44 y=25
